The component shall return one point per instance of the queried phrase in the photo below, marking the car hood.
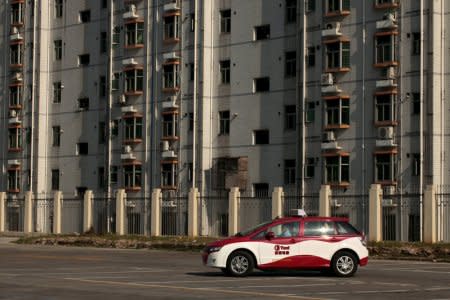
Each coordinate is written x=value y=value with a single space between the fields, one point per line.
x=230 y=240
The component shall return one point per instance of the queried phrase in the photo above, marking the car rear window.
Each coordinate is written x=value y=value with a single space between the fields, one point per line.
x=317 y=228
x=346 y=228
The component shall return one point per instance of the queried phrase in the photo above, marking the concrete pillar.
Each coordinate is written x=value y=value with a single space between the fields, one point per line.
x=429 y=215
x=324 y=201
x=233 y=211
x=2 y=211
x=156 y=212
x=57 y=212
x=277 y=202
x=88 y=220
x=375 y=213
x=193 y=212
x=120 y=211
x=28 y=218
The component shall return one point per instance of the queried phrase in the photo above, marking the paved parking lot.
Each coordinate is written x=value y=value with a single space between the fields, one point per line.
x=42 y=272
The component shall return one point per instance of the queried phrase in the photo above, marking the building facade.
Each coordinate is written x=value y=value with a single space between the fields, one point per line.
x=141 y=94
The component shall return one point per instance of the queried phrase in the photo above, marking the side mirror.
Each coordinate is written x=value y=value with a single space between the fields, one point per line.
x=270 y=235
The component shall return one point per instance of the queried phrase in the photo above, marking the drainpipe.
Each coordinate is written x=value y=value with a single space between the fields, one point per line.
x=195 y=99
x=363 y=127
x=33 y=96
x=421 y=122
x=153 y=101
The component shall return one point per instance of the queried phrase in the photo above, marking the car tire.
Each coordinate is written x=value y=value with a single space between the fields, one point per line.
x=240 y=264
x=344 y=264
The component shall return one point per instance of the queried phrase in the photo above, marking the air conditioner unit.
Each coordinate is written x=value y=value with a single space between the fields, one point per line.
x=14 y=30
x=332 y=29
x=129 y=62
x=170 y=56
x=12 y=113
x=122 y=99
x=17 y=76
x=328 y=136
x=131 y=13
x=127 y=149
x=170 y=102
x=334 y=25
x=390 y=73
x=171 y=6
x=327 y=79
x=390 y=17
x=165 y=146
x=386 y=133
x=13 y=162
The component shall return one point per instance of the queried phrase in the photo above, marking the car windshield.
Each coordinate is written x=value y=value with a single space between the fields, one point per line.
x=253 y=229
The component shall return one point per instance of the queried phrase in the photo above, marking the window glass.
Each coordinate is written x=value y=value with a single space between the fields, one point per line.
x=317 y=228
x=346 y=228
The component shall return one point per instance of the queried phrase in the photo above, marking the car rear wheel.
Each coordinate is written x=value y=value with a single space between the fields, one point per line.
x=239 y=264
x=344 y=264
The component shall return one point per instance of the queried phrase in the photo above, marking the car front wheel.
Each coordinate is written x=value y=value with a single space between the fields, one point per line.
x=344 y=264
x=239 y=264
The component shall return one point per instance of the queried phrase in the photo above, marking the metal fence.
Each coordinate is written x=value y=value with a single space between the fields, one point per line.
x=43 y=215
x=352 y=206
x=104 y=215
x=15 y=211
x=138 y=215
x=174 y=219
x=254 y=209
x=401 y=216
x=443 y=213
x=309 y=202
x=214 y=214
x=72 y=215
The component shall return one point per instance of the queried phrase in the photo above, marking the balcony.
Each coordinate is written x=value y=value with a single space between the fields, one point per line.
x=331 y=145
x=386 y=83
x=174 y=6
x=170 y=103
x=129 y=62
x=331 y=89
x=388 y=23
x=129 y=109
x=168 y=155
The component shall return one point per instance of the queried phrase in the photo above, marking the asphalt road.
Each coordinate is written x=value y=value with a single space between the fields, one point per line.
x=45 y=272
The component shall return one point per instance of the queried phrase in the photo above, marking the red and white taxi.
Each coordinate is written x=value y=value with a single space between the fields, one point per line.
x=291 y=243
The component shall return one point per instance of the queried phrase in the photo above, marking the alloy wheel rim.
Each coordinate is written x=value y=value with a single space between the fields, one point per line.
x=345 y=265
x=239 y=264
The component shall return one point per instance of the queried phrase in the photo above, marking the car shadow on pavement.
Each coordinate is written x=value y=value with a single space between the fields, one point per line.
x=267 y=274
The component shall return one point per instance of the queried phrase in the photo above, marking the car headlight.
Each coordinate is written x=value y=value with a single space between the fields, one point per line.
x=213 y=249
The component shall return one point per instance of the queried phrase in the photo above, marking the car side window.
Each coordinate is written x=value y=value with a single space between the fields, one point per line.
x=345 y=228
x=285 y=230
x=318 y=228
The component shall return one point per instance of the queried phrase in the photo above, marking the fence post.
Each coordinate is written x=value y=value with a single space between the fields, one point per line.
x=88 y=220
x=193 y=212
x=156 y=213
x=429 y=215
x=28 y=218
x=57 y=211
x=277 y=202
x=120 y=212
x=375 y=213
x=324 y=201
x=233 y=210
x=2 y=211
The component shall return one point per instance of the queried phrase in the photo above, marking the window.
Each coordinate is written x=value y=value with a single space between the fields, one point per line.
x=102 y=87
x=133 y=128
x=192 y=22
x=261 y=189
x=116 y=36
x=16 y=52
x=55 y=179
x=82 y=149
x=310 y=5
x=310 y=112
x=56 y=136
x=261 y=137
x=415 y=103
x=415 y=43
x=134 y=81
x=58 y=49
x=14 y=139
x=101 y=177
x=262 y=32
x=385 y=167
x=115 y=81
x=83 y=59
x=14 y=180
x=225 y=21
x=170 y=125
x=115 y=128
x=289 y=171
x=83 y=103
x=225 y=71
x=385 y=48
x=337 y=55
x=103 y=42
x=15 y=96
x=291 y=11
x=134 y=34
x=337 y=112
x=191 y=122
x=224 y=122
x=132 y=176
x=168 y=174
x=415 y=168
x=171 y=28
x=28 y=135
x=319 y=228
x=337 y=169
x=191 y=71
x=290 y=117
x=311 y=56
x=58 y=8
x=17 y=13
x=290 y=64
x=171 y=78
x=333 y=6
x=310 y=167
x=57 y=91
x=385 y=108
x=261 y=84
x=85 y=16
x=101 y=132
x=104 y=3
x=113 y=175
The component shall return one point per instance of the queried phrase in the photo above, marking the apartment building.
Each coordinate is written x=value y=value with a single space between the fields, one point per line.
x=137 y=94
